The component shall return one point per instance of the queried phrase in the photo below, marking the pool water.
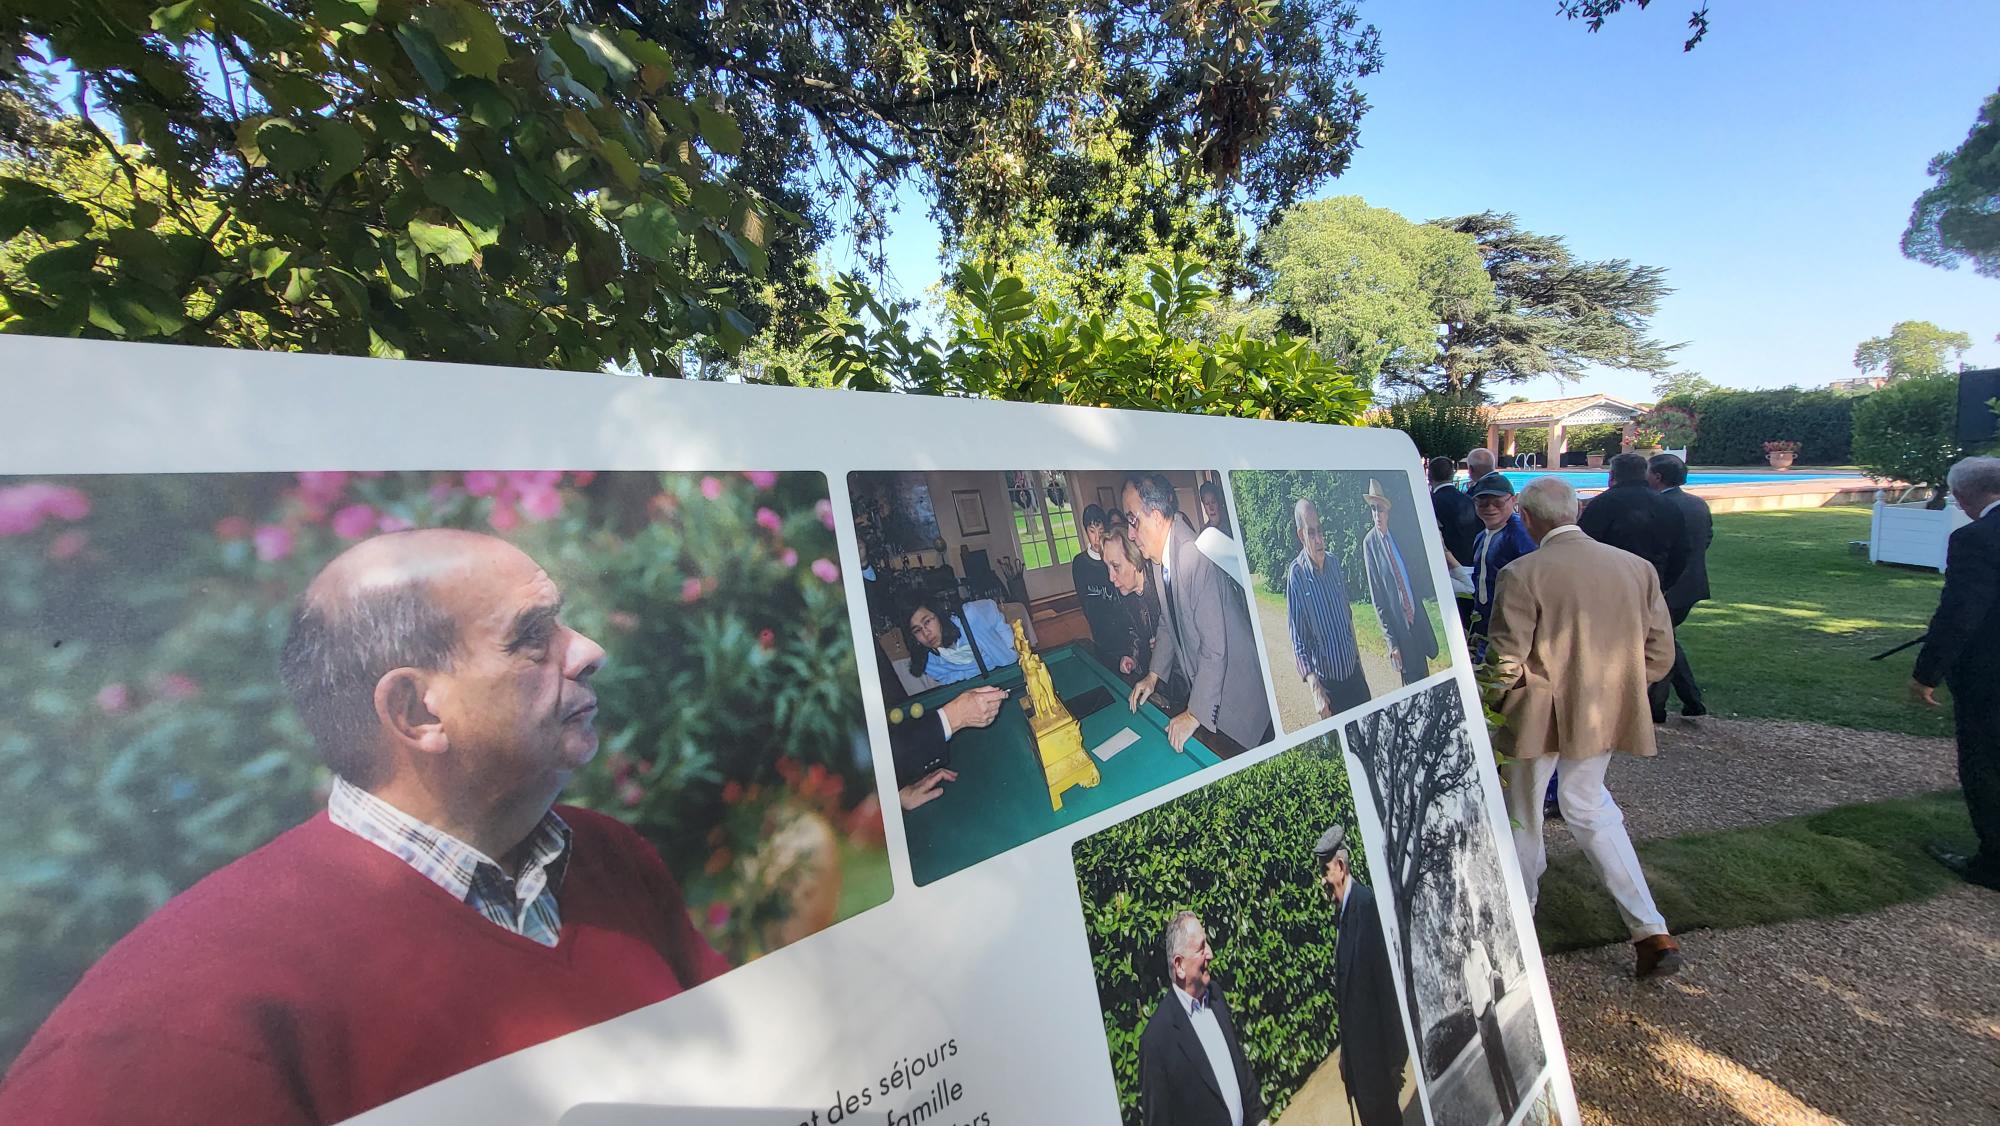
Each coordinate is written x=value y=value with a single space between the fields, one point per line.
x=1587 y=480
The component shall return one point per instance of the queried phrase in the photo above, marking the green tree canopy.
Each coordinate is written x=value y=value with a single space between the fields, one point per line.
x=1906 y=432
x=1370 y=287
x=1553 y=314
x=991 y=111
x=1594 y=12
x=1957 y=219
x=1683 y=383
x=1006 y=343
x=1911 y=348
x=348 y=177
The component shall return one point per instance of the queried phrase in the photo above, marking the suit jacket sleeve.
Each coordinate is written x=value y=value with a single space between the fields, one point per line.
x=914 y=743
x=1206 y=591
x=1680 y=540
x=1659 y=630
x=1971 y=583
x=1155 y=1098
x=1512 y=634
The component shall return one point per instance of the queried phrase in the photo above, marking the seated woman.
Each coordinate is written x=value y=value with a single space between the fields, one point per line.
x=949 y=647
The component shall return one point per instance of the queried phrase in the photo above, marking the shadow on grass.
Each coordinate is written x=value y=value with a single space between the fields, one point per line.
x=1842 y=861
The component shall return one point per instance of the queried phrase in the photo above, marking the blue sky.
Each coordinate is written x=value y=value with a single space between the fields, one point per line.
x=1770 y=171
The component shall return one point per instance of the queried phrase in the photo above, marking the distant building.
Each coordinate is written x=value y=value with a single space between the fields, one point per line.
x=1859 y=385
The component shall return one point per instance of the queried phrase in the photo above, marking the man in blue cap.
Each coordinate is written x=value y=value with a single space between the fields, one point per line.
x=1501 y=540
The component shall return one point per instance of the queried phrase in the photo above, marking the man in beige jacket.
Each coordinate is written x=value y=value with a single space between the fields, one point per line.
x=1579 y=630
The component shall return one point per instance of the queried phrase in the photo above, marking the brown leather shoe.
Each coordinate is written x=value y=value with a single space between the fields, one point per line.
x=1659 y=956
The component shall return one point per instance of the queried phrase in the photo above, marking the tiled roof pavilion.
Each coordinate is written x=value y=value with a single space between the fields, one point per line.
x=1558 y=415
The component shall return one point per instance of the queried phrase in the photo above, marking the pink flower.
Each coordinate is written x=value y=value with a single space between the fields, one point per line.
x=23 y=508
x=711 y=488
x=789 y=558
x=69 y=544
x=526 y=479
x=690 y=590
x=505 y=517
x=273 y=542
x=390 y=523
x=541 y=503
x=354 y=521
x=826 y=570
x=66 y=503
x=825 y=511
x=718 y=915
x=232 y=528
x=624 y=621
x=322 y=489
x=767 y=639
x=114 y=699
x=630 y=792
x=583 y=477
x=768 y=520
x=178 y=686
x=482 y=482
x=762 y=478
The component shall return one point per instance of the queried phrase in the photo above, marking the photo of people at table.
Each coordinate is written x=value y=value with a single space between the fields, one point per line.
x=1121 y=592
x=1342 y=584
x=342 y=783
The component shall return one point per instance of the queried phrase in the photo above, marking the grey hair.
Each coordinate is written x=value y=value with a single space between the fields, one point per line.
x=1179 y=938
x=1478 y=457
x=1977 y=476
x=335 y=654
x=1299 y=514
x=1550 y=500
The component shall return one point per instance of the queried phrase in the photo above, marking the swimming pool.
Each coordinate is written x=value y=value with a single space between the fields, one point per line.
x=1589 y=480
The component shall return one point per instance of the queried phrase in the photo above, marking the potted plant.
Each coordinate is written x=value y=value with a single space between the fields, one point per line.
x=1781 y=453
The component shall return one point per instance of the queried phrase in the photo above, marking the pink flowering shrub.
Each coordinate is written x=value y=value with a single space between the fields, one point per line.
x=160 y=746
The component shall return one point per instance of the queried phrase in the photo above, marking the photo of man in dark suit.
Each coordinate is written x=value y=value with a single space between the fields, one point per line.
x=1666 y=474
x=1373 y=1052
x=1191 y=1066
x=1398 y=606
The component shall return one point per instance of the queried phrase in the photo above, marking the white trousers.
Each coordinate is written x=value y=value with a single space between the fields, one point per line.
x=1596 y=821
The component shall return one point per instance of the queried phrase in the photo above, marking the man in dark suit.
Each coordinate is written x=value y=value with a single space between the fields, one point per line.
x=1205 y=631
x=1192 y=1071
x=1458 y=524
x=1406 y=628
x=917 y=738
x=1666 y=474
x=1373 y=1051
x=1629 y=515
x=1963 y=650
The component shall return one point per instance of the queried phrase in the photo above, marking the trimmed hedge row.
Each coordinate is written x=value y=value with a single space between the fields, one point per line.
x=1734 y=425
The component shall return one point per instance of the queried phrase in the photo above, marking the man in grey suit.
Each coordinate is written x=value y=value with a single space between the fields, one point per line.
x=1666 y=474
x=1204 y=631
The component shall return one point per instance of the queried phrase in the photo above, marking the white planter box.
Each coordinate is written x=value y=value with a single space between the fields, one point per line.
x=1912 y=534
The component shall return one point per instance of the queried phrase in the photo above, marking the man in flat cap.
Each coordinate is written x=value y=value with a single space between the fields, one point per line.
x=1373 y=1051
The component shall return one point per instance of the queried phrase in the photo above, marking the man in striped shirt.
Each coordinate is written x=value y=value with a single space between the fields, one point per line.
x=1322 y=620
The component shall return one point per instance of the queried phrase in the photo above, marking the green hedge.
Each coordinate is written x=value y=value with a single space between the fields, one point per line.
x=1908 y=431
x=1606 y=439
x=1734 y=425
x=1264 y=504
x=1239 y=854
x=1440 y=425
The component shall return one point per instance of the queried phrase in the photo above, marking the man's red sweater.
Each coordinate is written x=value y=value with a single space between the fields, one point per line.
x=319 y=977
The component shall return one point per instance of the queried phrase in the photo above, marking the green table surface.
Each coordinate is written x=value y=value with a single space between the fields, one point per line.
x=1001 y=798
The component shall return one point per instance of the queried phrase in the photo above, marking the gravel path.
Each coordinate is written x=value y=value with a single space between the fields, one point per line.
x=1733 y=773
x=1887 y=1017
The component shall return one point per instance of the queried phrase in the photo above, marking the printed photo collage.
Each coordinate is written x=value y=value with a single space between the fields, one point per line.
x=254 y=673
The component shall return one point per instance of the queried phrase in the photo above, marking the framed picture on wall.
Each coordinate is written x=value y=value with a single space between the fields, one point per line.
x=971 y=512
x=1105 y=499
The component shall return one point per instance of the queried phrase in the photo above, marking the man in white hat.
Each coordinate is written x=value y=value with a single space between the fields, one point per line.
x=1405 y=625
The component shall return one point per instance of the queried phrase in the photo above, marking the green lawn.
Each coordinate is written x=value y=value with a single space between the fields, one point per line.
x=1797 y=614
x=1846 y=860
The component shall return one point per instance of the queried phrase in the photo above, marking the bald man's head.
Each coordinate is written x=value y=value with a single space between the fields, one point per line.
x=378 y=606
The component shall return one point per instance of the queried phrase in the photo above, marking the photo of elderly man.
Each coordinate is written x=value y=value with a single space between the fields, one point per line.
x=400 y=812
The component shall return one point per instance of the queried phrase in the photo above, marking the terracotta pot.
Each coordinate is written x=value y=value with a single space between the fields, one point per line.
x=1780 y=460
x=1594 y=461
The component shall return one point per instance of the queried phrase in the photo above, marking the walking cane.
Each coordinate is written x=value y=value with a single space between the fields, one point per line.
x=1900 y=648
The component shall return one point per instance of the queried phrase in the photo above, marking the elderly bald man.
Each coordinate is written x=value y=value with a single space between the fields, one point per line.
x=441 y=912
x=1580 y=630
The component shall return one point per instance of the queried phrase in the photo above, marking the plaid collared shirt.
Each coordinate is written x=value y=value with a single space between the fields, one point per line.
x=525 y=905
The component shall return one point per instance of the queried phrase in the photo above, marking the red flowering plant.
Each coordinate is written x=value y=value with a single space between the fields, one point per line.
x=145 y=739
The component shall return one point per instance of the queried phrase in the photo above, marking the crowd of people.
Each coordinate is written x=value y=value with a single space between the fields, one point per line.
x=1575 y=614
